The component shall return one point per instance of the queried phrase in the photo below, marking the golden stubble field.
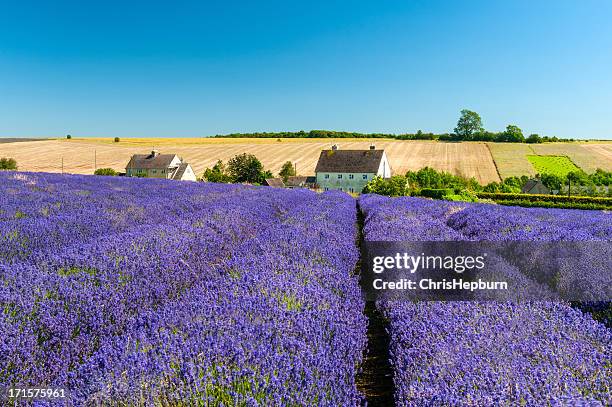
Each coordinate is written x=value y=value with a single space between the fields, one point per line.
x=467 y=159
x=484 y=161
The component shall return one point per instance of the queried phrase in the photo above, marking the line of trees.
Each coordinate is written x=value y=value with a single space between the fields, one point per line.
x=469 y=128
x=439 y=184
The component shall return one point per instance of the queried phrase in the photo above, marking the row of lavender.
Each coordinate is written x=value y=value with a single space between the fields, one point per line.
x=148 y=292
x=491 y=353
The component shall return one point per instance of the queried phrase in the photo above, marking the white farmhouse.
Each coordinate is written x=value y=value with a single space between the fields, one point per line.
x=350 y=170
x=156 y=165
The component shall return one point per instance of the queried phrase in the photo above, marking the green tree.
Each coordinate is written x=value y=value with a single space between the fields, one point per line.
x=105 y=171
x=287 y=170
x=513 y=134
x=492 y=187
x=573 y=177
x=217 y=174
x=552 y=181
x=394 y=186
x=68 y=136
x=469 y=124
x=246 y=168
x=533 y=139
x=8 y=164
x=117 y=139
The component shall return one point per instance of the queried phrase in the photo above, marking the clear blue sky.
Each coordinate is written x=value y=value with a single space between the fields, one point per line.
x=195 y=68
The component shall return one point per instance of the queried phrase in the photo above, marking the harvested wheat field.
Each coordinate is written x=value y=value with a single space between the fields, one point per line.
x=603 y=150
x=467 y=159
x=511 y=159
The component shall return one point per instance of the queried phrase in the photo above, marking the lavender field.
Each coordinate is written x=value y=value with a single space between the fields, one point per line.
x=145 y=292
x=487 y=353
x=148 y=292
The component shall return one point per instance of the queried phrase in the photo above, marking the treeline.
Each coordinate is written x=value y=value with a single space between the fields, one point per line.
x=431 y=183
x=501 y=137
x=469 y=128
x=308 y=134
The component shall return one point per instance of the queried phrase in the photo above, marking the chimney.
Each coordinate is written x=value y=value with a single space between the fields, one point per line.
x=372 y=147
x=154 y=153
x=335 y=147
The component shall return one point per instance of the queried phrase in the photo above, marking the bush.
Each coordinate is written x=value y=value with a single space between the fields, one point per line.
x=68 y=136
x=546 y=198
x=8 y=164
x=435 y=193
x=105 y=171
x=549 y=201
x=117 y=139
x=549 y=204
x=217 y=174
x=394 y=186
x=463 y=196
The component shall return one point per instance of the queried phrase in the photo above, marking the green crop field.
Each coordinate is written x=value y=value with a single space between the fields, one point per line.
x=552 y=164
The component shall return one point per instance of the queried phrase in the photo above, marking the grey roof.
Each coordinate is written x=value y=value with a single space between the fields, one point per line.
x=296 y=180
x=150 y=161
x=180 y=171
x=535 y=186
x=275 y=182
x=367 y=161
x=300 y=181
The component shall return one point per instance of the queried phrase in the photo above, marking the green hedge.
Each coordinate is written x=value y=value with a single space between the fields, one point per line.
x=435 y=193
x=548 y=204
x=546 y=198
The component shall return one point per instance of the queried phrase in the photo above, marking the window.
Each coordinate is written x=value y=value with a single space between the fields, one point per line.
x=327 y=189
x=365 y=176
x=351 y=189
x=326 y=176
x=341 y=189
x=351 y=176
x=339 y=176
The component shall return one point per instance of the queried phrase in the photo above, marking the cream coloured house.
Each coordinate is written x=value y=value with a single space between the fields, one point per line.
x=156 y=165
x=350 y=170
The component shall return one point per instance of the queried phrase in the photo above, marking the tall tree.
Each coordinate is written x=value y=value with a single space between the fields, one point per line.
x=287 y=170
x=217 y=173
x=469 y=124
x=575 y=177
x=246 y=168
x=513 y=134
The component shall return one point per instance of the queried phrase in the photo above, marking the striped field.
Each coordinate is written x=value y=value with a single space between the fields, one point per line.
x=484 y=161
x=468 y=159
